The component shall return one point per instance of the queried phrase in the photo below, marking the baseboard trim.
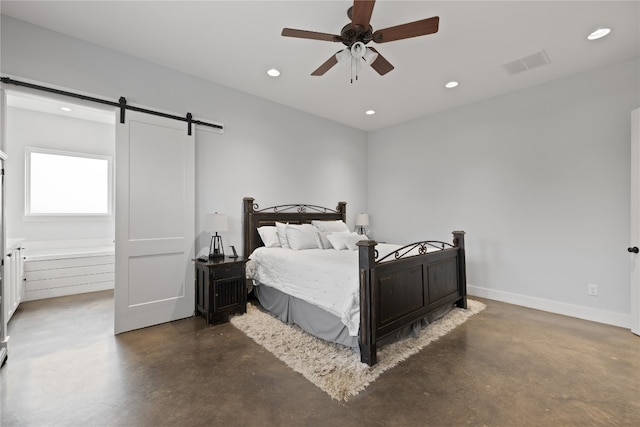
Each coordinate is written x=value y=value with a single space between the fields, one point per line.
x=601 y=316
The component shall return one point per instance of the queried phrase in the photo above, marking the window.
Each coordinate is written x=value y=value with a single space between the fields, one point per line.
x=67 y=184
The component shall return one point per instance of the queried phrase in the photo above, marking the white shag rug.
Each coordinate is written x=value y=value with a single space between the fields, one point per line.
x=334 y=368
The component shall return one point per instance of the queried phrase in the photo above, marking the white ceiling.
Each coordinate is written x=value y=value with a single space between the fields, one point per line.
x=233 y=43
x=45 y=104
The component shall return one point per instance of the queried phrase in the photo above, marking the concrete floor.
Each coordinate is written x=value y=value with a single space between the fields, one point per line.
x=507 y=366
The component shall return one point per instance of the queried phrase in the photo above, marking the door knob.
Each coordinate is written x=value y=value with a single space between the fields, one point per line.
x=634 y=249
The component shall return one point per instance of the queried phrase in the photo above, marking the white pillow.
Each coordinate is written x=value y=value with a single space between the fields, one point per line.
x=323 y=241
x=330 y=226
x=354 y=238
x=282 y=234
x=301 y=236
x=339 y=240
x=269 y=236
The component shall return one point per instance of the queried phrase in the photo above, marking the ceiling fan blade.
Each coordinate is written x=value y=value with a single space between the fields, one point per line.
x=326 y=66
x=313 y=35
x=406 y=31
x=380 y=64
x=361 y=12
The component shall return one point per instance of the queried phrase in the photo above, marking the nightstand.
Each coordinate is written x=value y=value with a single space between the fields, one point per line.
x=220 y=288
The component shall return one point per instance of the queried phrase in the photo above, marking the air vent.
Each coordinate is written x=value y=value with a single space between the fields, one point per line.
x=528 y=62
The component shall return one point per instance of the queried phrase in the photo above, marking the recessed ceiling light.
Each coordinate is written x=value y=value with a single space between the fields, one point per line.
x=67 y=109
x=370 y=112
x=451 y=84
x=599 y=33
x=273 y=72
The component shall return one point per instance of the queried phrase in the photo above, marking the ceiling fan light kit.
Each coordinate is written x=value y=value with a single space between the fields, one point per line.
x=344 y=55
x=357 y=50
x=357 y=34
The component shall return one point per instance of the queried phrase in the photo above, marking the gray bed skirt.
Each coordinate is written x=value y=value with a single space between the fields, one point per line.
x=322 y=324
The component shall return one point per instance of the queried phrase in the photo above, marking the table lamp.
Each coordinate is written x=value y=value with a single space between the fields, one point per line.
x=216 y=223
x=362 y=220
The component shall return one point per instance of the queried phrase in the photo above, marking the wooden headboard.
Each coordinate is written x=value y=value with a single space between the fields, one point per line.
x=254 y=217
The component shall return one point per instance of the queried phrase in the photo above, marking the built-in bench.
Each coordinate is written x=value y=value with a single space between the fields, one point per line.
x=67 y=267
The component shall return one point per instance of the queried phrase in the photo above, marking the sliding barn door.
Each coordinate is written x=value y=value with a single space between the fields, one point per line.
x=155 y=224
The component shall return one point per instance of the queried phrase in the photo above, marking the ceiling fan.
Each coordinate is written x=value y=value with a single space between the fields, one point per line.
x=356 y=34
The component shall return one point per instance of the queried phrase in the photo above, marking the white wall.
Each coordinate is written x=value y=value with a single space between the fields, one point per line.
x=271 y=152
x=27 y=128
x=539 y=180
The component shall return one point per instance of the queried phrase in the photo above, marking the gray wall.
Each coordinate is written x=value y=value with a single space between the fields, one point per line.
x=271 y=152
x=539 y=180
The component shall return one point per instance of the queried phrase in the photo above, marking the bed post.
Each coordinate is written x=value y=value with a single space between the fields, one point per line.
x=342 y=210
x=458 y=241
x=247 y=210
x=368 y=303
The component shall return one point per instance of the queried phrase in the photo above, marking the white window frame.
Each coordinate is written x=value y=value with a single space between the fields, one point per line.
x=110 y=191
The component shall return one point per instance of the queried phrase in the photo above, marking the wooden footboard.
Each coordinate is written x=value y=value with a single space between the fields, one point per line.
x=396 y=292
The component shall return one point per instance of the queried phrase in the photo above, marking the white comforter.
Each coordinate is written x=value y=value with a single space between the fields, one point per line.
x=326 y=278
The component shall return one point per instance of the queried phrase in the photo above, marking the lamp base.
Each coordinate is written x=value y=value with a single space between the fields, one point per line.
x=216 y=249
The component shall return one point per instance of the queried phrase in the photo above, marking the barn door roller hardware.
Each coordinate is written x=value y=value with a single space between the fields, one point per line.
x=122 y=104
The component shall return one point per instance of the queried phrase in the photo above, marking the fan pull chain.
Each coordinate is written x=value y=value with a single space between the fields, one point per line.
x=352 y=66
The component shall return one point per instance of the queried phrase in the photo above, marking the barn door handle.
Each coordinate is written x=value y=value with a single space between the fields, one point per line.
x=634 y=249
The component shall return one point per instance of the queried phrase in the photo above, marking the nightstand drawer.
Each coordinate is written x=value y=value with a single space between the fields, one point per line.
x=224 y=272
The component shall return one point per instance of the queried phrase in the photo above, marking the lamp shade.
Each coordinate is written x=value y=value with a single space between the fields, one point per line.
x=343 y=55
x=362 y=219
x=216 y=222
x=369 y=56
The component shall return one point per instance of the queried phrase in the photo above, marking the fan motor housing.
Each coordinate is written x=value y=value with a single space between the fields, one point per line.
x=355 y=33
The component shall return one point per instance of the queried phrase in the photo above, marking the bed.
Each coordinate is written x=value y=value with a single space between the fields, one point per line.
x=398 y=288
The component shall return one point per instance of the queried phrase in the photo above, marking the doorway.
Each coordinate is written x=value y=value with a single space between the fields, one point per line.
x=53 y=244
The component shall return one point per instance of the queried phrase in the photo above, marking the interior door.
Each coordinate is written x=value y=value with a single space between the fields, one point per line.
x=155 y=221
x=635 y=222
